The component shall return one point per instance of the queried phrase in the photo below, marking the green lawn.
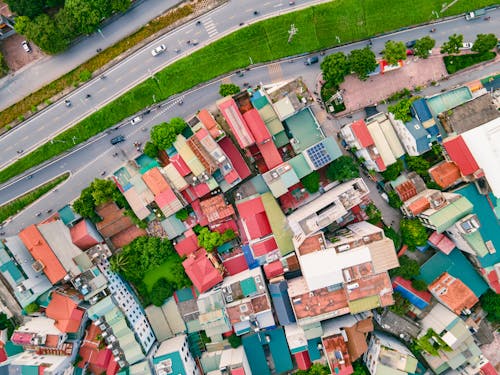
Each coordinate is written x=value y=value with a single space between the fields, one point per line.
x=455 y=63
x=166 y=270
x=318 y=27
x=15 y=206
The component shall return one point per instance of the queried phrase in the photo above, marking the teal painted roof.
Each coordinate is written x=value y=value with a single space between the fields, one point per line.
x=457 y=265
x=29 y=370
x=255 y=355
x=67 y=215
x=248 y=286
x=448 y=215
x=300 y=166
x=332 y=148
x=490 y=225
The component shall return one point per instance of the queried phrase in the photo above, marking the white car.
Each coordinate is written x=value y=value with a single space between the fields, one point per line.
x=136 y=120
x=160 y=49
x=467 y=45
x=26 y=46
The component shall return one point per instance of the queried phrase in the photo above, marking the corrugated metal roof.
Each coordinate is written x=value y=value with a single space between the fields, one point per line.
x=188 y=156
x=361 y=132
x=448 y=215
x=175 y=177
x=459 y=152
x=392 y=138
x=381 y=143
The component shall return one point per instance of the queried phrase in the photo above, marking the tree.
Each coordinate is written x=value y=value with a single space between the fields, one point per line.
x=119 y=263
x=360 y=368
x=234 y=340
x=150 y=149
x=182 y=214
x=227 y=235
x=103 y=191
x=209 y=240
x=423 y=46
x=164 y=134
x=228 y=89
x=33 y=307
x=419 y=284
x=362 y=62
x=28 y=8
x=161 y=290
x=22 y=25
x=484 y=43
x=419 y=165
x=374 y=215
x=66 y=24
x=490 y=301
x=311 y=182
x=401 y=110
x=315 y=369
x=394 y=51
x=85 y=206
x=4 y=321
x=342 y=169
x=4 y=68
x=393 y=171
x=86 y=15
x=401 y=304
x=394 y=200
x=45 y=33
x=413 y=233
x=335 y=67
x=453 y=44
x=408 y=268
x=119 y=5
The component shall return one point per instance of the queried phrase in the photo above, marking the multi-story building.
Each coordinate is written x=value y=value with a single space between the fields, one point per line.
x=173 y=357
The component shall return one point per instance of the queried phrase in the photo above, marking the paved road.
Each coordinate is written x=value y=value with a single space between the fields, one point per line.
x=89 y=160
x=15 y=87
x=131 y=71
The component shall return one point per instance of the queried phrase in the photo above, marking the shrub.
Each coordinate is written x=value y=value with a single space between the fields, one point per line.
x=33 y=307
x=394 y=200
x=419 y=284
x=458 y=62
x=408 y=268
x=413 y=232
x=311 y=182
x=393 y=171
x=182 y=215
x=234 y=341
x=85 y=75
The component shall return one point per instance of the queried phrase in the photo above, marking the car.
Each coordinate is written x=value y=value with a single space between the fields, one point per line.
x=26 y=46
x=195 y=42
x=117 y=139
x=160 y=49
x=311 y=60
x=467 y=45
x=411 y=44
x=136 y=120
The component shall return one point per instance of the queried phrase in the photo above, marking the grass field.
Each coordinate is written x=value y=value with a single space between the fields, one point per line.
x=318 y=27
x=12 y=208
x=166 y=270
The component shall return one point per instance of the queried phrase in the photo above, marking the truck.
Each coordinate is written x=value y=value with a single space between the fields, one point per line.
x=475 y=14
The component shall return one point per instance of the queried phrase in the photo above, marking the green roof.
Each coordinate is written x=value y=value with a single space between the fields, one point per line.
x=67 y=215
x=411 y=364
x=332 y=147
x=300 y=166
x=271 y=119
x=364 y=304
x=281 y=139
x=448 y=215
x=475 y=240
x=277 y=220
x=457 y=265
x=29 y=370
x=248 y=286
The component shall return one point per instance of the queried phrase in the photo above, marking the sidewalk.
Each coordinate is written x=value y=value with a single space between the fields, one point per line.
x=34 y=76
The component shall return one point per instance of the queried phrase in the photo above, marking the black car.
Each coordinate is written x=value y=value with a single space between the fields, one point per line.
x=411 y=44
x=117 y=139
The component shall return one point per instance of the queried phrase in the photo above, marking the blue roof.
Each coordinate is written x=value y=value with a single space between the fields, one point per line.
x=490 y=225
x=420 y=109
x=457 y=265
x=413 y=298
x=281 y=302
x=251 y=261
x=312 y=348
x=420 y=134
x=433 y=130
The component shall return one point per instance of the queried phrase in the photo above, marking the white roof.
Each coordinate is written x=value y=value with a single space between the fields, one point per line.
x=324 y=268
x=284 y=108
x=232 y=357
x=484 y=144
x=175 y=177
x=137 y=204
x=438 y=319
x=295 y=336
x=381 y=143
x=392 y=138
x=171 y=345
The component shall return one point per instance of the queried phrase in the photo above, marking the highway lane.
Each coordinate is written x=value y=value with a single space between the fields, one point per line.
x=89 y=160
x=133 y=70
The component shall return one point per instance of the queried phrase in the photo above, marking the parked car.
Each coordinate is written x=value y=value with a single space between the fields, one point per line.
x=411 y=44
x=136 y=120
x=195 y=42
x=467 y=45
x=409 y=52
x=26 y=46
x=160 y=49
x=311 y=60
x=117 y=139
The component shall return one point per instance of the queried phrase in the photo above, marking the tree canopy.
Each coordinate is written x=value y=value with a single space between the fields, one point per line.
x=311 y=182
x=97 y=193
x=335 y=67
x=413 y=233
x=490 y=301
x=401 y=110
x=164 y=134
x=419 y=165
x=227 y=89
x=484 y=43
x=423 y=46
x=393 y=171
x=408 y=268
x=362 y=62
x=342 y=169
x=210 y=240
x=161 y=290
x=315 y=369
x=150 y=149
x=394 y=51
x=453 y=44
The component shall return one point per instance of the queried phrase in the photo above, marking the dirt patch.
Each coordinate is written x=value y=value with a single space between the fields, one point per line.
x=416 y=72
x=14 y=54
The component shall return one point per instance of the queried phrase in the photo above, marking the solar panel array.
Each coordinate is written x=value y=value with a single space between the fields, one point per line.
x=319 y=155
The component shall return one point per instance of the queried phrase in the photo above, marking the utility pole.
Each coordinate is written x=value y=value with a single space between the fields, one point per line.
x=293 y=30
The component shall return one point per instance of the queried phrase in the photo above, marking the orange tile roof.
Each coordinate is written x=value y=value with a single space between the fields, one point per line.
x=127 y=235
x=65 y=312
x=356 y=337
x=41 y=252
x=419 y=206
x=445 y=174
x=335 y=346
x=215 y=208
x=453 y=293
x=155 y=181
x=113 y=221
x=406 y=190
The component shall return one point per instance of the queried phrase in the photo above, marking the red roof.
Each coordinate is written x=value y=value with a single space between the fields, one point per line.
x=445 y=174
x=254 y=218
x=426 y=296
x=257 y=126
x=3 y=354
x=21 y=338
x=216 y=209
x=202 y=219
x=238 y=371
x=179 y=164
x=81 y=236
x=406 y=190
x=235 y=264
x=65 y=312
x=201 y=271
x=264 y=247
x=380 y=164
x=420 y=205
x=231 y=176
x=459 y=152
x=222 y=227
x=207 y=119
x=441 y=242
x=236 y=122
x=201 y=190
x=493 y=281
x=41 y=252
x=155 y=181
x=166 y=197
x=361 y=132
x=270 y=153
x=488 y=369
x=236 y=159
x=188 y=245
x=303 y=360
x=273 y=269
x=250 y=207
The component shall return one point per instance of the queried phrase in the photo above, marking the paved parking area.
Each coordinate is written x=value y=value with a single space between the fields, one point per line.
x=14 y=54
x=415 y=72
